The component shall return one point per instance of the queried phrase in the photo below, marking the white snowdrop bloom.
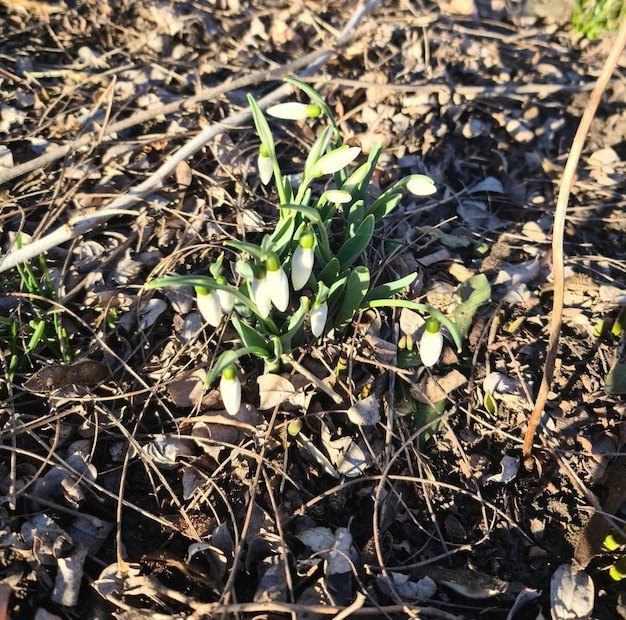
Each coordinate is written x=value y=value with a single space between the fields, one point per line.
x=276 y=283
x=265 y=165
x=261 y=295
x=302 y=261
x=421 y=185
x=431 y=343
x=294 y=111
x=319 y=315
x=209 y=306
x=335 y=160
x=230 y=389
x=227 y=299
x=337 y=196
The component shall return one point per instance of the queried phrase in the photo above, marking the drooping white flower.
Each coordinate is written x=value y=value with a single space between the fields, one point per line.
x=431 y=342
x=335 y=160
x=319 y=314
x=276 y=283
x=302 y=261
x=294 y=111
x=230 y=389
x=337 y=196
x=421 y=185
x=261 y=295
x=227 y=299
x=209 y=306
x=265 y=165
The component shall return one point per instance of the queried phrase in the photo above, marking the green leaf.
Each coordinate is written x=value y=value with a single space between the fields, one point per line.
x=388 y=290
x=384 y=205
x=472 y=293
x=615 y=382
x=262 y=126
x=295 y=323
x=249 y=336
x=225 y=359
x=317 y=150
x=356 y=289
x=428 y=418
x=330 y=272
x=356 y=213
x=283 y=234
x=354 y=247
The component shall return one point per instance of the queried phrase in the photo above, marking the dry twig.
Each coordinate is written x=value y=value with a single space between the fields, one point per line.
x=557 y=239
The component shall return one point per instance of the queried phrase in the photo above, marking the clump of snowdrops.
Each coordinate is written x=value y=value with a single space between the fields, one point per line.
x=301 y=283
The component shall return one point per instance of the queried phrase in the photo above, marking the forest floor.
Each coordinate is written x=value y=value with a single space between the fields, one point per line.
x=126 y=489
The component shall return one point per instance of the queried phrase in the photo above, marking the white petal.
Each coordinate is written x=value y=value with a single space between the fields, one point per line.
x=301 y=267
x=230 y=390
x=278 y=288
x=210 y=309
x=337 y=196
x=421 y=185
x=430 y=348
x=318 y=319
x=335 y=160
x=266 y=169
x=227 y=301
x=290 y=111
x=261 y=295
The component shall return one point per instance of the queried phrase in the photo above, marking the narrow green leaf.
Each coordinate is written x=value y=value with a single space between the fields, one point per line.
x=388 y=290
x=356 y=289
x=472 y=294
x=615 y=382
x=354 y=247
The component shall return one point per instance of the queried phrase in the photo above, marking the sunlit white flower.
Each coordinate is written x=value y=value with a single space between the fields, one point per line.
x=209 y=306
x=276 y=283
x=265 y=165
x=431 y=342
x=337 y=196
x=294 y=111
x=335 y=160
x=227 y=299
x=230 y=389
x=319 y=314
x=302 y=261
x=421 y=185
x=261 y=295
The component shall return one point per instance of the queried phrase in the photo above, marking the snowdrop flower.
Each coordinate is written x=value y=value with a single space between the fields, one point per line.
x=230 y=389
x=276 y=283
x=335 y=160
x=431 y=342
x=265 y=165
x=294 y=111
x=227 y=299
x=336 y=196
x=209 y=306
x=421 y=185
x=319 y=314
x=261 y=295
x=302 y=261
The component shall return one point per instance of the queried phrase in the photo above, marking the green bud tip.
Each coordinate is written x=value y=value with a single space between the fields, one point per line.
x=307 y=240
x=263 y=150
x=200 y=290
x=432 y=325
x=230 y=372
x=272 y=263
x=294 y=427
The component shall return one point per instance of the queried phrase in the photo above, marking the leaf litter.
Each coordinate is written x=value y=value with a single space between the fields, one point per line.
x=226 y=502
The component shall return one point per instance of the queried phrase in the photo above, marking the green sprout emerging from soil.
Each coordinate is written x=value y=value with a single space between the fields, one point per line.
x=303 y=282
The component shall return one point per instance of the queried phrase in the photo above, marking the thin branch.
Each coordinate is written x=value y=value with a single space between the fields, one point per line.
x=567 y=181
x=127 y=203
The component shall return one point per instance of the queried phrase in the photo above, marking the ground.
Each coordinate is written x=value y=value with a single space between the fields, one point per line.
x=129 y=492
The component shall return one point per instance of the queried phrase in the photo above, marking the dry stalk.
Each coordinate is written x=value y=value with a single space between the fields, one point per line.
x=557 y=239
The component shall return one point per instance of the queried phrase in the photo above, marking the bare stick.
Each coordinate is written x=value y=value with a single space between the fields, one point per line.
x=127 y=203
x=557 y=239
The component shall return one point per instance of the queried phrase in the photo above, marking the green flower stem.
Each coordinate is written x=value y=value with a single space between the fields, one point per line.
x=411 y=305
x=203 y=282
x=314 y=217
